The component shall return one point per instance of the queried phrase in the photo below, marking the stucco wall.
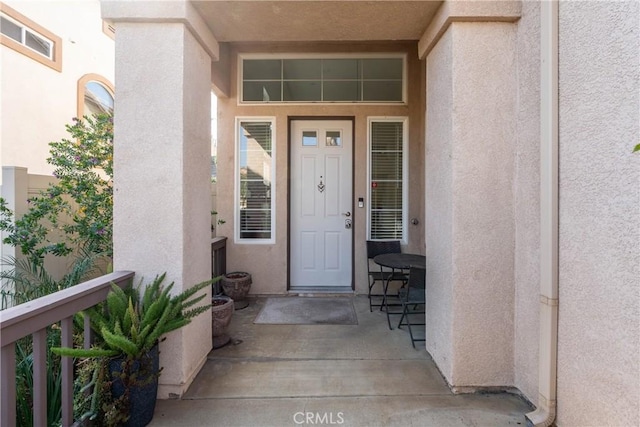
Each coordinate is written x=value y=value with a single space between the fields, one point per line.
x=527 y=203
x=162 y=191
x=38 y=101
x=471 y=133
x=599 y=318
x=483 y=240
x=438 y=203
x=268 y=263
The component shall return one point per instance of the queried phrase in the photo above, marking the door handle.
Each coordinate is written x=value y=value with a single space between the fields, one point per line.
x=347 y=214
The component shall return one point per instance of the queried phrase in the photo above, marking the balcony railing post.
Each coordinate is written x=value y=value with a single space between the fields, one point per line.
x=88 y=335
x=8 y=385
x=40 y=378
x=67 y=373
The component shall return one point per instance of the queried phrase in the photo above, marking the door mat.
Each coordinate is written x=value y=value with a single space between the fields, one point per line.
x=307 y=311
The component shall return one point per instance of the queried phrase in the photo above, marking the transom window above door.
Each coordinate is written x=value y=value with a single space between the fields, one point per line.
x=342 y=79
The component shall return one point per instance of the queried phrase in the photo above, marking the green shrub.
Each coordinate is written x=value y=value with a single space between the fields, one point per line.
x=76 y=211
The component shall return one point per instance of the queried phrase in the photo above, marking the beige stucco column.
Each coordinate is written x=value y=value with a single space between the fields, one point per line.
x=162 y=162
x=470 y=49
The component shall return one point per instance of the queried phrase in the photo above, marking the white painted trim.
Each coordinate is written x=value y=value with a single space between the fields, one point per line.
x=338 y=55
x=405 y=172
x=236 y=182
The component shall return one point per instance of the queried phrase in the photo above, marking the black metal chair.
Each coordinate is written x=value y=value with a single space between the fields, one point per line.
x=377 y=274
x=413 y=300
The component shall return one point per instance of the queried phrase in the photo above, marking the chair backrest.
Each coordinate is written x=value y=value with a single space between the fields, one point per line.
x=379 y=247
x=417 y=277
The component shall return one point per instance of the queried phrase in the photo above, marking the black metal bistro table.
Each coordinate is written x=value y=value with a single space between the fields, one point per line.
x=397 y=261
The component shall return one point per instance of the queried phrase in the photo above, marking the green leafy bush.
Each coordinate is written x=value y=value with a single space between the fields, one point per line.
x=76 y=211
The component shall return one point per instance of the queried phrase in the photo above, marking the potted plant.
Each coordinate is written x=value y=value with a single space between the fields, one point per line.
x=128 y=327
x=222 y=308
x=236 y=285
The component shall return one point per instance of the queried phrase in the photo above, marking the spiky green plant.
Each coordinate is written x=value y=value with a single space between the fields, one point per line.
x=133 y=319
x=129 y=324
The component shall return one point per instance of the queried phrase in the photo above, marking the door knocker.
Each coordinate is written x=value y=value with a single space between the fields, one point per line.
x=321 y=186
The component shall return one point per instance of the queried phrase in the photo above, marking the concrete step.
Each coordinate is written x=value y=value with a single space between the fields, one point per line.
x=269 y=378
x=371 y=411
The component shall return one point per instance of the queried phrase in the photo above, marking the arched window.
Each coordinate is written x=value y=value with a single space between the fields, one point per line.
x=95 y=95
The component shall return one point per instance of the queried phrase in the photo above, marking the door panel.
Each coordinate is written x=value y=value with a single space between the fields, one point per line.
x=321 y=196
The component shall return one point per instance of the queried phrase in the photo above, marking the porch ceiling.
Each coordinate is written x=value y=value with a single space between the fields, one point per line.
x=287 y=20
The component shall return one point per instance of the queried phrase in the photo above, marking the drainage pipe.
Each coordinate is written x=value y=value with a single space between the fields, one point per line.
x=545 y=413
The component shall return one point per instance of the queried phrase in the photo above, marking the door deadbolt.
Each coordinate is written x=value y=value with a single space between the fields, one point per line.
x=347 y=223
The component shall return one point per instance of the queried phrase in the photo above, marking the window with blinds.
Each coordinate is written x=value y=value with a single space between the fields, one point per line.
x=387 y=179
x=255 y=159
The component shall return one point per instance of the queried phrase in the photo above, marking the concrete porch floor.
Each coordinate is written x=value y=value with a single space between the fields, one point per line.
x=350 y=375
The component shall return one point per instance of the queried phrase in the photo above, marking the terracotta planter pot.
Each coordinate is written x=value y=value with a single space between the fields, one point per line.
x=236 y=285
x=221 y=311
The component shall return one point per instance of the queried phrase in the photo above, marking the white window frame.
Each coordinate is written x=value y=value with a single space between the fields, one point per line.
x=236 y=198
x=405 y=173
x=53 y=60
x=350 y=55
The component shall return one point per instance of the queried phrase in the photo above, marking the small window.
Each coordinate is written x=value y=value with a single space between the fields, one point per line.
x=255 y=221
x=387 y=179
x=319 y=79
x=333 y=138
x=95 y=95
x=97 y=99
x=38 y=44
x=10 y=29
x=21 y=34
x=309 y=138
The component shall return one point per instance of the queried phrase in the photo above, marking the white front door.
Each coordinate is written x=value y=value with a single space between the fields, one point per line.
x=321 y=204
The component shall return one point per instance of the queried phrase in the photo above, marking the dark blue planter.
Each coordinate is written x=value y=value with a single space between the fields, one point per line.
x=141 y=384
